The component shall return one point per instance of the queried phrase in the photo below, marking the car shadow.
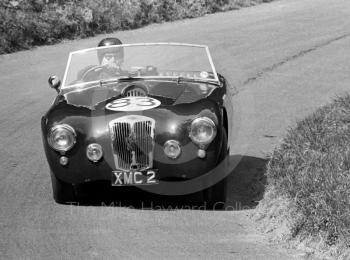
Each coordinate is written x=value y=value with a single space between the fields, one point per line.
x=246 y=186
x=246 y=183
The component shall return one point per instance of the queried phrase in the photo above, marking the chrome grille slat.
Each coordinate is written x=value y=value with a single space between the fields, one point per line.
x=121 y=130
x=133 y=134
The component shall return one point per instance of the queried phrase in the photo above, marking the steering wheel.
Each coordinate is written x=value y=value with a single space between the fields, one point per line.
x=93 y=73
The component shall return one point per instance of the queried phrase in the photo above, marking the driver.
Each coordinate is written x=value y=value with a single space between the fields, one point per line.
x=110 y=59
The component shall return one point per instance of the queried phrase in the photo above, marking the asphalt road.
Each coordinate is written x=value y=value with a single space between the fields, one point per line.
x=286 y=58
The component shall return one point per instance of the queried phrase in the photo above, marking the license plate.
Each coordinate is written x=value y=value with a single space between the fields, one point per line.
x=123 y=178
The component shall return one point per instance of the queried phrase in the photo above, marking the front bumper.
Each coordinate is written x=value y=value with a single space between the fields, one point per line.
x=80 y=170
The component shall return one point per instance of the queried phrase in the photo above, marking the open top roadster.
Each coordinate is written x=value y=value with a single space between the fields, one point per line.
x=152 y=115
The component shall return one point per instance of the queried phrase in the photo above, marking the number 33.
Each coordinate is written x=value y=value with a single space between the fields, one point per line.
x=133 y=104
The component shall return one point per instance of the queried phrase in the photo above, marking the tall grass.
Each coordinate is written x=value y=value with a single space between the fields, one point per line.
x=309 y=178
x=26 y=23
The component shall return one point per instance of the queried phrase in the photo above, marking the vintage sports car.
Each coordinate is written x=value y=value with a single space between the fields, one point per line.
x=153 y=115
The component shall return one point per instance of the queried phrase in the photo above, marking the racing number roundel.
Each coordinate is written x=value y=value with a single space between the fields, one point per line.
x=133 y=104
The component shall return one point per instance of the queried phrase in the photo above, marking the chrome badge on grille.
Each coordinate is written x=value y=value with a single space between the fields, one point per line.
x=132 y=142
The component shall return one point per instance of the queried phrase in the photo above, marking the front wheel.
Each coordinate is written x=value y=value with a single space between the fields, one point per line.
x=63 y=193
x=215 y=196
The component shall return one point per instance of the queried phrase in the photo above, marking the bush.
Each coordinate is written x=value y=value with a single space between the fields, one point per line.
x=311 y=169
x=26 y=23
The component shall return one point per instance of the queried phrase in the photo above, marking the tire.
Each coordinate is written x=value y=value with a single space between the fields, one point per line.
x=63 y=193
x=214 y=197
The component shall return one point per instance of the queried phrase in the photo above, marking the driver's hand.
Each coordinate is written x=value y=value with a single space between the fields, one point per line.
x=109 y=72
x=111 y=66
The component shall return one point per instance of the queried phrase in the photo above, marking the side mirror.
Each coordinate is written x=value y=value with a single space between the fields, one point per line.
x=54 y=83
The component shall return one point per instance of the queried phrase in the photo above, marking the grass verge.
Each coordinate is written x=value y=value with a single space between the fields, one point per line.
x=307 y=199
x=28 y=23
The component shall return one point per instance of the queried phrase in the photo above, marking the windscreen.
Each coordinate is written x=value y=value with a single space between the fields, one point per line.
x=152 y=60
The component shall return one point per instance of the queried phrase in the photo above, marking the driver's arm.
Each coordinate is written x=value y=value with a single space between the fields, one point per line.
x=82 y=72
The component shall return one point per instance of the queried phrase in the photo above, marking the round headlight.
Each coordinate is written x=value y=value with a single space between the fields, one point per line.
x=203 y=131
x=61 y=137
x=94 y=152
x=172 y=149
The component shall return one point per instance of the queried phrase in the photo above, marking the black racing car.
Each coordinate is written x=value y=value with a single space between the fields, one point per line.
x=152 y=115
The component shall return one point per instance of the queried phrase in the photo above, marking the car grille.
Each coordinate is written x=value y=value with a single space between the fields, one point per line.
x=133 y=142
x=135 y=92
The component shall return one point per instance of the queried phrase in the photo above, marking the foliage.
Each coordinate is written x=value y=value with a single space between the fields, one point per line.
x=26 y=23
x=311 y=168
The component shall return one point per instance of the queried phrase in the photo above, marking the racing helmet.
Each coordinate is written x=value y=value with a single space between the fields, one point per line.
x=110 y=42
